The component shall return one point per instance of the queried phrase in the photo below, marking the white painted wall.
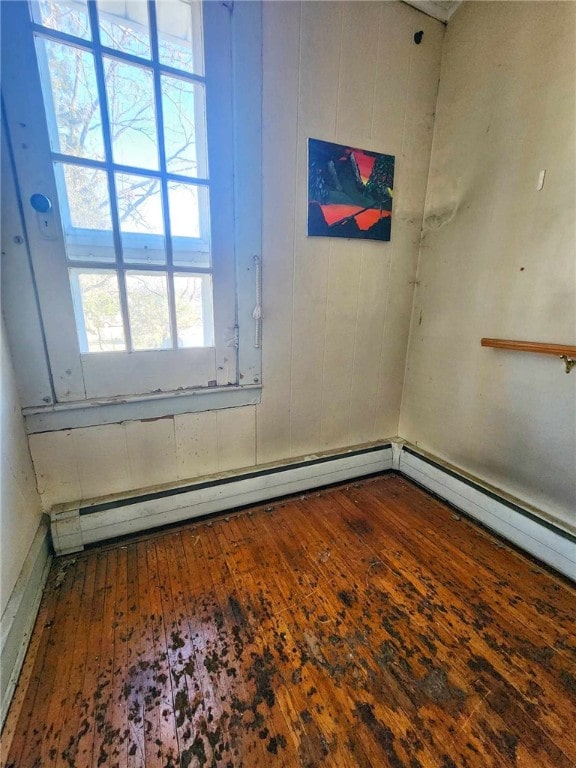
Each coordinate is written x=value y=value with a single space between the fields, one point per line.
x=336 y=313
x=19 y=501
x=498 y=257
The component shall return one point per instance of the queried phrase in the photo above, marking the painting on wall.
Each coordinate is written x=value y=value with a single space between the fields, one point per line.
x=349 y=191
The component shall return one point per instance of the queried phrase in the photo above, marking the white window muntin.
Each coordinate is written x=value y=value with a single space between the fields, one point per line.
x=81 y=241
x=54 y=386
x=73 y=377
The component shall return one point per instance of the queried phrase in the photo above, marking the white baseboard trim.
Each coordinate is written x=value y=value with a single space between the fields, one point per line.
x=73 y=525
x=551 y=544
x=20 y=614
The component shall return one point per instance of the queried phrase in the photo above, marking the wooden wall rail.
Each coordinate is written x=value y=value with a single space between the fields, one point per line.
x=531 y=346
x=567 y=352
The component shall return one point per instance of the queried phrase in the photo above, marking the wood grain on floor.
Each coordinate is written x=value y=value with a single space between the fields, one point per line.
x=365 y=625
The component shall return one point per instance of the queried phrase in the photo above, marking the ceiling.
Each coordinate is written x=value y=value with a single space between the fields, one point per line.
x=438 y=9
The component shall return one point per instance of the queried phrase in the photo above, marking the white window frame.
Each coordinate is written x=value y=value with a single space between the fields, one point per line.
x=62 y=375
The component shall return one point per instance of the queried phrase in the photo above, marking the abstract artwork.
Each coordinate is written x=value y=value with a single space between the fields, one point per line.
x=349 y=191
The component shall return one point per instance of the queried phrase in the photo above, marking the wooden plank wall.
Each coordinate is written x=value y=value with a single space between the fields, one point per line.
x=336 y=314
x=499 y=255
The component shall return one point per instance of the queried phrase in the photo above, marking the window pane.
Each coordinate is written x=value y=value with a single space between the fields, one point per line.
x=180 y=35
x=70 y=16
x=71 y=99
x=184 y=111
x=141 y=219
x=193 y=299
x=97 y=308
x=132 y=117
x=148 y=310
x=190 y=224
x=85 y=211
x=124 y=26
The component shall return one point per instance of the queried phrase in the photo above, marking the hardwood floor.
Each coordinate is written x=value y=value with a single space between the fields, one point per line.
x=368 y=625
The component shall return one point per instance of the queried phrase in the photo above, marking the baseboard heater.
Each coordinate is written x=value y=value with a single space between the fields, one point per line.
x=546 y=540
x=19 y=615
x=73 y=526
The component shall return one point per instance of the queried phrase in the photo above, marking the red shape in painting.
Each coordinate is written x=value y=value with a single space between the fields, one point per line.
x=334 y=213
